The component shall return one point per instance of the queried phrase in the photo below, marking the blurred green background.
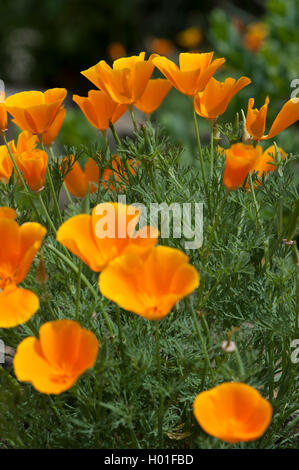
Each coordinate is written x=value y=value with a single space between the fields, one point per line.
x=47 y=43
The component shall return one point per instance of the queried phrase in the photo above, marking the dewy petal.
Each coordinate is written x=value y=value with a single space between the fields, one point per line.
x=16 y=306
x=76 y=234
x=31 y=236
x=287 y=116
x=256 y=119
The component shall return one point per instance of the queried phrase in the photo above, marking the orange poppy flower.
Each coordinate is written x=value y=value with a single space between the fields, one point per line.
x=256 y=119
x=194 y=73
x=239 y=160
x=126 y=81
x=161 y=46
x=35 y=111
x=233 y=412
x=54 y=362
x=153 y=95
x=255 y=36
x=117 y=171
x=33 y=166
x=6 y=164
x=78 y=180
x=3 y=113
x=263 y=163
x=190 y=37
x=53 y=131
x=100 y=109
x=105 y=234
x=19 y=245
x=213 y=101
x=26 y=143
x=115 y=50
x=149 y=284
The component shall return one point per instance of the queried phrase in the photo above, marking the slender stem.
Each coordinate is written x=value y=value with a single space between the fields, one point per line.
x=63 y=184
x=257 y=208
x=78 y=289
x=271 y=368
x=120 y=336
x=39 y=195
x=74 y=269
x=201 y=160
x=85 y=282
x=20 y=176
x=160 y=409
x=200 y=337
x=212 y=148
x=67 y=193
x=47 y=302
x=133 y=117
x=49 y=177
x=114 y=133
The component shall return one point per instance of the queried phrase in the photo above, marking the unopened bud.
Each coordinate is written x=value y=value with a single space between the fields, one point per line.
x=246 y=139
x=41 y=273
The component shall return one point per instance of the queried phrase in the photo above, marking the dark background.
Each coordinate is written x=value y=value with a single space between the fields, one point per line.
x=47 y=43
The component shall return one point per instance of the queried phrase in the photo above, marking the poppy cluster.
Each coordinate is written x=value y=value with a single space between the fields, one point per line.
x=134 y=272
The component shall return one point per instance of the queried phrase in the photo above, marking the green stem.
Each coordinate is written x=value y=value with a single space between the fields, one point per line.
x=49 y=177
x=200 y=337
x=160 y=409
x=85 y=282
x=201 y=160
x=120 y=336
x=212 y=148
x=63 y=184
x=257 y=208
x=133 y=117
x=78 y=289
x=47 y=302
x=67 y=193
x=39 y=195
x=114 y=133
